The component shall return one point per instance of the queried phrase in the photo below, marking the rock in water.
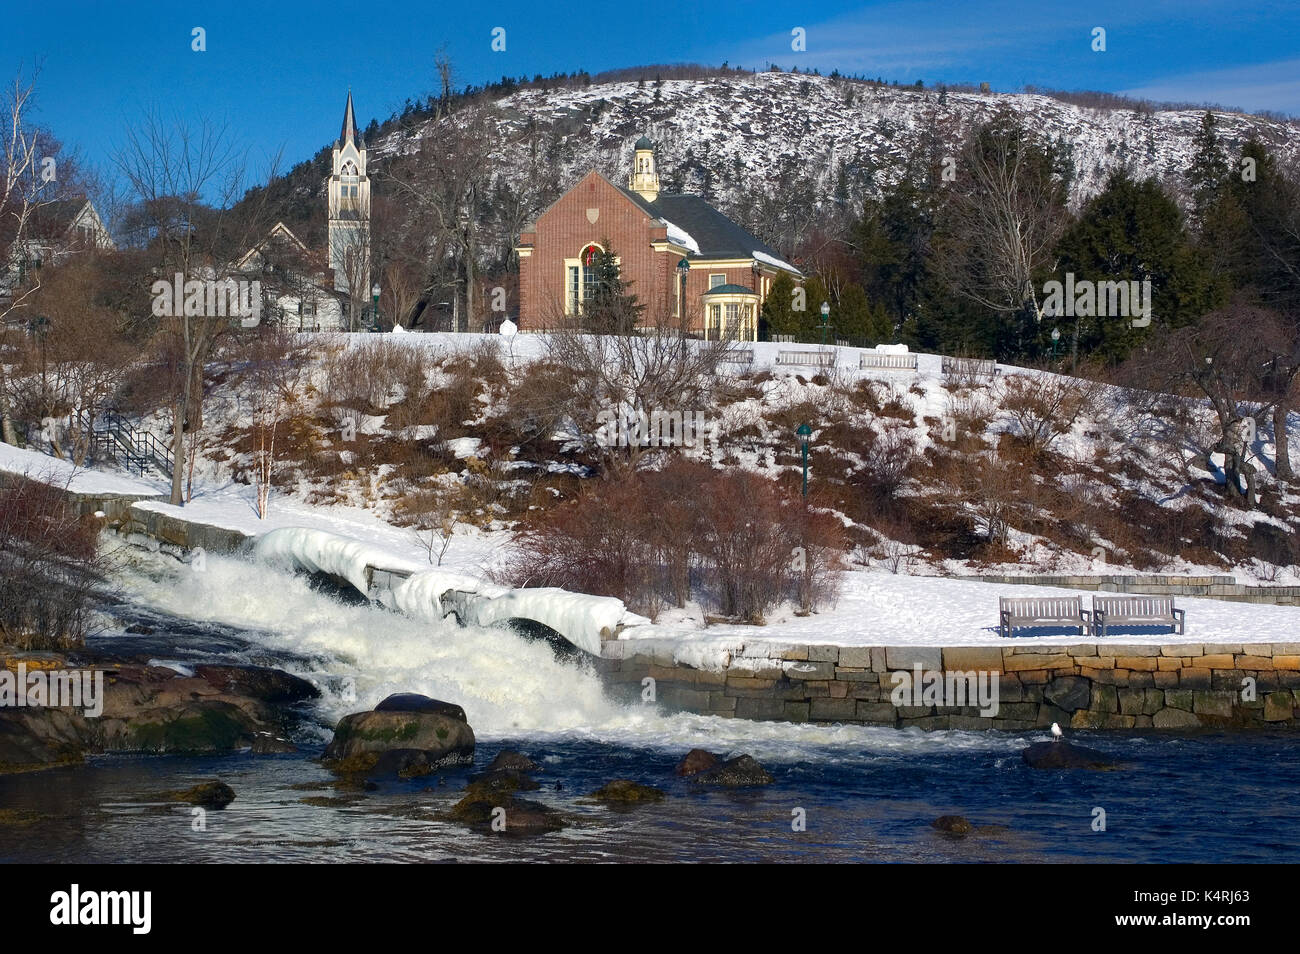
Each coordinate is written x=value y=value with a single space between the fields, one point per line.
x=421 y=735
x=740 y=772
x=508 y=760
x=696 y=761
x=952 y=825
x=255 y=682
x=624 y=791
x=213 y=794
x=414 y=702
x=1057 y=755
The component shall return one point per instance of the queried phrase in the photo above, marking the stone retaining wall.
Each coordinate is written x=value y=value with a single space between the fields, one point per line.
x=1213 y=587
x=179 y=532
x=1082 y=685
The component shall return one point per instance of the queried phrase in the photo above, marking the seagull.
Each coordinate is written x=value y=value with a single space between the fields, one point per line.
x=1056 y=732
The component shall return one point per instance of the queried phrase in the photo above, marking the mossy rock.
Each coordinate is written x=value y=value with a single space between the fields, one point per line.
x=625 y=792
x=215 y=794
x=952 y=825
x=205 y=727
x=399 y=742
x=517 y=816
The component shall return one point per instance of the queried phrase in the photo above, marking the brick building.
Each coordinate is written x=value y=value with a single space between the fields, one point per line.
x=686 y=262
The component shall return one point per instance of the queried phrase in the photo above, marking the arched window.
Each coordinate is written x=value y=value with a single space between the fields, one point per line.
x=583 y=274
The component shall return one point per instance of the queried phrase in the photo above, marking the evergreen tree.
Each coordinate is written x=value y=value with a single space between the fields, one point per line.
x=852 y=313
x=777 y=316
x=1208 y=169
x=1133 y=231
x=611 y=308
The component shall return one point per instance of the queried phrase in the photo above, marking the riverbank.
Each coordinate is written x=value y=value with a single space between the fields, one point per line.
x=1083 y=685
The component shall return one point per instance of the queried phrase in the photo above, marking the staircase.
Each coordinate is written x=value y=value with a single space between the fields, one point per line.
x=113 y=438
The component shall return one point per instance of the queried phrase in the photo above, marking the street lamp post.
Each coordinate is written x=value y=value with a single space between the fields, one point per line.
x=1056 y=336
x=684 y=269
x=374 y=307
x=826 y=316
x=804 y=432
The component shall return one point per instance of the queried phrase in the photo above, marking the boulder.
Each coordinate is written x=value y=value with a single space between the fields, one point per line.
x=214 y=794
x=696 y=761
x=952 y=825
x=414 y=702
x=516 y=816
x=624 y=791
x=426 y=726
x=740 y=772
x=1062 y=754
x=508 y=760
x=268 y=744
x=255 y=682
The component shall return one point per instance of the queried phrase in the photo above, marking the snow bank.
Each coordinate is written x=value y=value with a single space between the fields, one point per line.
x=319 y=551
x=63 y=473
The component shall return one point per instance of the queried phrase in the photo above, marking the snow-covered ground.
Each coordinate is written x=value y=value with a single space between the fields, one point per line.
x=874 y=607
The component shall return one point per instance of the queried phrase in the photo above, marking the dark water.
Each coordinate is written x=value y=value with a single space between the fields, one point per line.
x=867 y=794
x=1195 y=799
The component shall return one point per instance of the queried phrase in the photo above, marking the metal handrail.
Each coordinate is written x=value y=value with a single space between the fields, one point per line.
x=118 y=439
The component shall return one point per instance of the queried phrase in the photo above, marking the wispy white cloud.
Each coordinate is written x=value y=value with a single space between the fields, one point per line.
x=1273 y=86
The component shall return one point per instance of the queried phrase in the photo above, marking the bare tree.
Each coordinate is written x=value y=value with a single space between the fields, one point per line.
x=1005 y=213
x=172 y=168
x=21 y=193
x=655 y=369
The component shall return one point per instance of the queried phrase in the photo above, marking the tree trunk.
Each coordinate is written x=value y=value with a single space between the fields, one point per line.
x=1281 y=412
x=8 y=432
x=178 y=452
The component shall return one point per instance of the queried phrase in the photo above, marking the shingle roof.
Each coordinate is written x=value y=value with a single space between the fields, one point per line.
x=715 y=234
x=729 y=290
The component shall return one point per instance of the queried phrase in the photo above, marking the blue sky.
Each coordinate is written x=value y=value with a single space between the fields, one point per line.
x=276 y=72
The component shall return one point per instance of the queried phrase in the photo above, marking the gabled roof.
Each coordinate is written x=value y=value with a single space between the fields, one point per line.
x=716 y=235
x=51 y=220
x=279 y=232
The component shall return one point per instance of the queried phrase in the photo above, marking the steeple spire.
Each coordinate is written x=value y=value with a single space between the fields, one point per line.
x=349 y=132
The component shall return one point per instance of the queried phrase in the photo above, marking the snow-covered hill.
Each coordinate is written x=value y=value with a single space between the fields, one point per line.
x=730 y=134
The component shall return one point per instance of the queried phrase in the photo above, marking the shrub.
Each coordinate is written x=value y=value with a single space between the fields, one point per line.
x=50 y=571
x=734 y=538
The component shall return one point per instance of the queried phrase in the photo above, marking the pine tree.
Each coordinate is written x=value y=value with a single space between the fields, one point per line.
x=611 y=308
x=1209 y=167
x=777 y=316
x=1134 y=231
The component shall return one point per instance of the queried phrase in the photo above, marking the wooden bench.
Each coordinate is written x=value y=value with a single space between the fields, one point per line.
x=812 y=359
x=1018 y=612
x=1137 y=611
x=899 y=362
x=985 y=367
x=738 y=356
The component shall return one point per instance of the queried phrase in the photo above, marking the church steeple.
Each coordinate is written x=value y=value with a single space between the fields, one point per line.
x=349 y=209
x=349 y=133
x=645 y=180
